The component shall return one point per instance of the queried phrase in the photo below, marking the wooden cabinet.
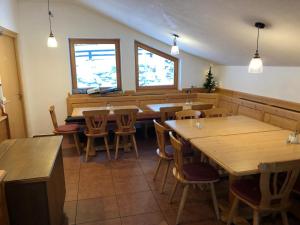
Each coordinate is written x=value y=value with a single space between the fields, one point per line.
x=34 y=185
x=3 y=209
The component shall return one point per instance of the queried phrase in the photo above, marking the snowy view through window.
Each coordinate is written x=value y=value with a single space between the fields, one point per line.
x=95 y=65
x=154 y=70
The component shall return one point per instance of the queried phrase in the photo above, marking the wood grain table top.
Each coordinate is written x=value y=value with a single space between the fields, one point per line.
x=218 y=126
x=156 y=107
x=78 y=112
x=29 y=158
x=241 y=154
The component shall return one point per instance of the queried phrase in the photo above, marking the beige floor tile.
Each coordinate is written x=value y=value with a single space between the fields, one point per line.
x=145 y=219
x=137 y=203
x=106 y=222
x=70 y=211
x=125 y=185
x=98 y=209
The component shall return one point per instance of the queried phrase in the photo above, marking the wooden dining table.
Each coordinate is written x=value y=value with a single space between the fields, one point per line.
x=218 y=126
x=78 y=112
x=187 y=105
x=241 y=154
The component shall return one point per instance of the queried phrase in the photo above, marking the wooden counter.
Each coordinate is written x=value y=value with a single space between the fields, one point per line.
x=34 y=185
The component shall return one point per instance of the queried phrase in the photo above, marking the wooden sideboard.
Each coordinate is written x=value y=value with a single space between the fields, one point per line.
x=3 y=208
x=34 y=185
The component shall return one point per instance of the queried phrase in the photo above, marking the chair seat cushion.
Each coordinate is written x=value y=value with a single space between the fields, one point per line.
x=200 y=172
x=67 y=128
x=247 y=189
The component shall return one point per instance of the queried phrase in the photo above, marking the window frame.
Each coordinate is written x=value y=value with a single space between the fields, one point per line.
x=138 y=44
x=116 y=42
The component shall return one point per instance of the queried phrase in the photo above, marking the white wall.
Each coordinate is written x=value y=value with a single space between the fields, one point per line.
x=46 y=72
x=276 y=82
x=8 y=14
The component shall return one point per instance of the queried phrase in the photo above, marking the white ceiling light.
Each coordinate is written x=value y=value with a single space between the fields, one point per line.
x=51 y=43
x=256 y=64
x=175 y=49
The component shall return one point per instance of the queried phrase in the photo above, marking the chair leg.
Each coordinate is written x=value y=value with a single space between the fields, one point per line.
x=117 y=147
x=284 y=218
x=88 y=147
x=157 y=168
x=215 y=201
x=107 y=148
x=165 y=177
x=173 y=191
x=182 y=203
x=232 y=210
x=255 y=217
x=77 y=143
x=134 y=145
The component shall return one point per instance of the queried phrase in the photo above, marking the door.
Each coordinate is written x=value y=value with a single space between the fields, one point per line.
x=9 y=76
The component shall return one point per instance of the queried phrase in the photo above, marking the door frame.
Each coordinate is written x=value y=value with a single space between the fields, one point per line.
x=14 y=35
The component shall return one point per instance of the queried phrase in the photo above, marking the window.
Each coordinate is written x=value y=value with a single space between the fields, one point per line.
x=95 y=62
x=154 y=69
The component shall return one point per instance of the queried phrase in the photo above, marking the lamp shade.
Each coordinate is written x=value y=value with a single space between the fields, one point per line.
x=174 y=50
x=255 y=65
x=52 y=43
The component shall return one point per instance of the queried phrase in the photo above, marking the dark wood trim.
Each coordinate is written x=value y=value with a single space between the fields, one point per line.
x=116 y=42
x=160 y=53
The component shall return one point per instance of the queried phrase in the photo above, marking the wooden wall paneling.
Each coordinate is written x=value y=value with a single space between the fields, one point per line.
x=251 y=109
x=261 y=99
x=229 y=103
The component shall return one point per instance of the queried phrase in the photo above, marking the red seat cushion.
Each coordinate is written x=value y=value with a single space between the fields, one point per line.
x=200 y=172
x=297 y=186
x=247 y=189
x=67 y=128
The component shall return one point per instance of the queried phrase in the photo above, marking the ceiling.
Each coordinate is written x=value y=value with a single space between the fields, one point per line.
x=219 y=30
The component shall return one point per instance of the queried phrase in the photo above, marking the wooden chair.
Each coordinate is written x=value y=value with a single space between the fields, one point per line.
x=202 y=107
x=187 y=114
x=126 y=119
x=168 y=113
x=68 y=129
x=216 y=112
x=267 y=193
x=191 y=174
x=96 y=122
x=164 y=152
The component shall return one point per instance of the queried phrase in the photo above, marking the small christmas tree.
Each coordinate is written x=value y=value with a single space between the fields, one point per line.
x=210 y=83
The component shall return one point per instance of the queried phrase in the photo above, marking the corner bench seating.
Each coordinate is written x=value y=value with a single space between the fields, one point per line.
x=277 y=112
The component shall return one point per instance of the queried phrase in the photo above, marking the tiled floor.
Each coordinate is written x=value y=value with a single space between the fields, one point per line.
x=122 y=192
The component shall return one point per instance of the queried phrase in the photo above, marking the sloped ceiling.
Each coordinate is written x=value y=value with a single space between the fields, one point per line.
x=220 y=30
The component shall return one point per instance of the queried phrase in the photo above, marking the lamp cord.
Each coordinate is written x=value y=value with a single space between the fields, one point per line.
x=50 y=15
x=257 y=39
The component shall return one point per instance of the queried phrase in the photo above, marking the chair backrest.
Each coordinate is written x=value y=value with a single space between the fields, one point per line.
x=187 y=114
x=178 y=158
x=161 y=133
x=276 y=182
x=125 y=118
x=168 y=113
x=202 y=107
x=216 y=112
x=53 y=116
x=96 y=121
